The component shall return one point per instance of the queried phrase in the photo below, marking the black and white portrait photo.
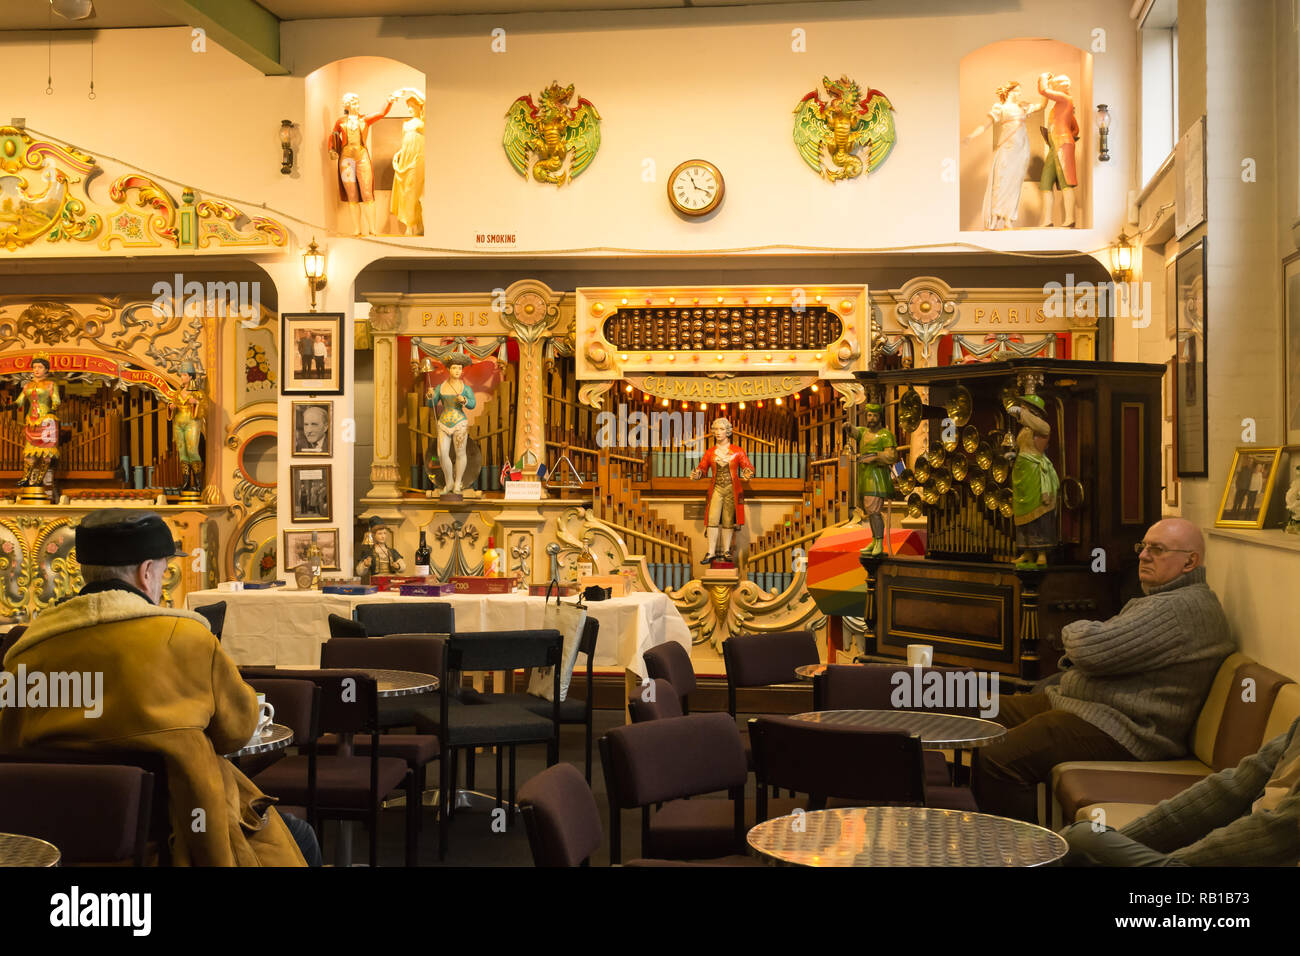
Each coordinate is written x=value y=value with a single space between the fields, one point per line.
x=313 y=429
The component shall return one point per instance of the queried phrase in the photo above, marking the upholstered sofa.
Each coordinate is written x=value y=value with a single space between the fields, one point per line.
x=1248 y=704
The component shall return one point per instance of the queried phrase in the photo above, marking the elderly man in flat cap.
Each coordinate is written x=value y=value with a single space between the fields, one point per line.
x=169 y=689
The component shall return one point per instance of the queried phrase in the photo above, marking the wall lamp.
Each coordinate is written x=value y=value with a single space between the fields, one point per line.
x=286 y=147
x=313 y=266
x=1121 y=259
x=1103 y=133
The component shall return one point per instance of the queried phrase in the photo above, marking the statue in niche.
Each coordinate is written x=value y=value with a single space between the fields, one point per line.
x=377 y=554
x=449 y=401
x=726 y=508
x=349 y=144
x=1010 y=156
x=408 y=167
x=1061 y=133
x=40 y=394
x=1034 y=483
x=185 y=408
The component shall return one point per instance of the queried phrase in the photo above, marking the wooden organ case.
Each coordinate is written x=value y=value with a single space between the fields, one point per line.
x=966 y=597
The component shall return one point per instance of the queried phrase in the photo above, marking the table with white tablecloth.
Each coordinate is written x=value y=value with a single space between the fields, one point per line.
x=285 y=627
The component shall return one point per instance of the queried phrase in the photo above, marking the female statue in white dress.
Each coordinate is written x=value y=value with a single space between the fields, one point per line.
x=1010 y=157
x=408 y=167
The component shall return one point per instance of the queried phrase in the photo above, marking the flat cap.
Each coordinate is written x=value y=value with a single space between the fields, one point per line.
x=119 y=536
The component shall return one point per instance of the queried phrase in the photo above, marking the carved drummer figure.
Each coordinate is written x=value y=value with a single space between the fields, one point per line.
x=449 y=400
x=40 y=394
x=726 y=510
x=876 y=453
x=1034 y=483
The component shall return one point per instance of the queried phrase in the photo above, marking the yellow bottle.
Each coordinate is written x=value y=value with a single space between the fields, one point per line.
x=491 y=560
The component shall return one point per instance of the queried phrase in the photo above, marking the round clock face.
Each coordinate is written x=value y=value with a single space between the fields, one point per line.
x=695 y=188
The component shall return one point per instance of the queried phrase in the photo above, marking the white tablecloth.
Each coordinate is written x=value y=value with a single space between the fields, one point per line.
x=283 y=627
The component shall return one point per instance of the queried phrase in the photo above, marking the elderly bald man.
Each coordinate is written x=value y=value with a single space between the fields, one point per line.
x=1132 y=686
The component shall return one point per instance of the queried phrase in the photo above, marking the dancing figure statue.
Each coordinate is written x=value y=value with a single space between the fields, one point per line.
x=449 y=400
x=408 y=168
x=185 y=407
x=1062 y=131
x=876 y=452
x=726 y=510
x=349 y=144
x=40 y=395
x=1010 y=156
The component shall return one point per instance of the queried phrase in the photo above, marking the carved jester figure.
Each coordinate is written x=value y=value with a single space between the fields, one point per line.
x=726 y=509
x=1034 y=482
x=876 y=452
x=40 y=394
x=449 y=400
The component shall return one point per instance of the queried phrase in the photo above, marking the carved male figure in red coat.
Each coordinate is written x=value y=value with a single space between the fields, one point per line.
x=726 y=511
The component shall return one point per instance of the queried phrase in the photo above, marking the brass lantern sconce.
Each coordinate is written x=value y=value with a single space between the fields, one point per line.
x=313 y=266
x=286 y=147
x=1103 y=133
x=1121 y=259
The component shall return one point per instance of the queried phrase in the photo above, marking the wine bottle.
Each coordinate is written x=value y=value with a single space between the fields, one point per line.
x=422 y=556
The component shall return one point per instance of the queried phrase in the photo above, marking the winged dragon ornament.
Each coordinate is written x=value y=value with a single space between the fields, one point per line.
x=551 y=141
x=832 y=134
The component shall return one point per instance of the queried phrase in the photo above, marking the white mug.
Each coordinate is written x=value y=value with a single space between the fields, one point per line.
x=920 y=655
x=265 y=715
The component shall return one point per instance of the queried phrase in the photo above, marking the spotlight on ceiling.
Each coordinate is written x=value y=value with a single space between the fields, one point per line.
x=73 y=9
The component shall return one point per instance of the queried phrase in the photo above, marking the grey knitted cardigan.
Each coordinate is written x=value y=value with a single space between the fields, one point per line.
x=1143 y=676
x=1211 y=824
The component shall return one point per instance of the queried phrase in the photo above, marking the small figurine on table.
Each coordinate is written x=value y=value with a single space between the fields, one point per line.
x=1034 y=483
x=377 y=555
x=876 y=452
x=726 y=510
x=449 y=400
x=185 y=407
x=40 y=394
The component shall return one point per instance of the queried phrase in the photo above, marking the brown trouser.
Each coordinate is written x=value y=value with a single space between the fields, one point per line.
x=1008 y=772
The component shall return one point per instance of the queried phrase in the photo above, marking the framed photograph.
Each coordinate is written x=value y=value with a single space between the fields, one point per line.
x=1171 y=297
x=1248 y=488
x=296 y=544
x=1171 y=373
x=1189 y=179
x=310 y=494
x=1191 y=411
x=1291 y=354
x=311 y=344
x=313 y=429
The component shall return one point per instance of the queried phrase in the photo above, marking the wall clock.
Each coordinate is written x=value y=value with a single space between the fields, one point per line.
x=695 y=188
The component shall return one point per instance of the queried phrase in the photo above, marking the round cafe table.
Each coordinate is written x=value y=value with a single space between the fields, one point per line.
x=275 y=737
x=19 y=850
x=937 y=731
x=904 y=836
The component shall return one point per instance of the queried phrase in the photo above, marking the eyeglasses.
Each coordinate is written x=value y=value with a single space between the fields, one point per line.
x=1157 y=550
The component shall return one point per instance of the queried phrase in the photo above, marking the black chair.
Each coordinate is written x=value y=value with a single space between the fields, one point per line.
x=341 y=626
x=560 y=817
x=407 y=617
x=654 y=701
x=215 y=615
x=487 y=723
x=864 y=767
x=159 y=824
x=871 y=687
x=663 y=762
x=297 y=706
x=51 y=801
x=764 y=660
x=672 y=662
x=347 y=787
x=573 y=710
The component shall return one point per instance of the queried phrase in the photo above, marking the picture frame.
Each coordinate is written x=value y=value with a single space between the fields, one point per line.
x=1191 y=410
x=1171 y=479
x=1189 y=179
x=296 y=543
x=311 y=350
x=1248 y=487
x=1171 y=309
x=313 y=437
x=1291 y=348
x=1169 y=389
x=311 y=493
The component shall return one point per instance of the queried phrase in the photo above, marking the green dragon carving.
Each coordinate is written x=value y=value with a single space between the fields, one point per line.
x=552 y=142
x=830 y=134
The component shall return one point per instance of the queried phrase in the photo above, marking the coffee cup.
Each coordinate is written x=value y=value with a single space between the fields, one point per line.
x=920 y=655
x=265 y=715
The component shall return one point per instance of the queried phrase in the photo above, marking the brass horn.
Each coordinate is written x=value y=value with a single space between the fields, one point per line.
x=929 y=495
x=942 y=480
x=910 y=410
x=1000 y=471
x=959 y=465
x=1009 y=395
x=984 y=456
x=1005 y=506
x=959 y=405
x=970 y=439
x=977 y=481
x=921 y=470
x=990 y=499
x=914 y=507
x=936 y=455
x=905 y=482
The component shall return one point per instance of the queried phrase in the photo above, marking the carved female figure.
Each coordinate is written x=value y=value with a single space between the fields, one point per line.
x=40 y=394
x=449 y=400
x=1011 y=157
x=408 y=168
x=185 y=408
